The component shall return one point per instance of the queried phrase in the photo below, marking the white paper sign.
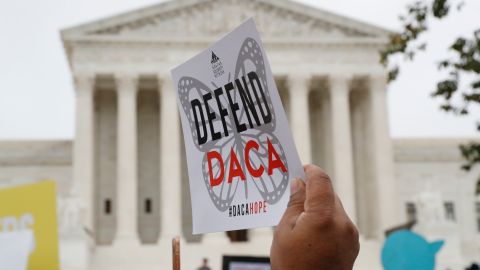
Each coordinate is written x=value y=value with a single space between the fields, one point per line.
x=240 y=152
x=15 y=249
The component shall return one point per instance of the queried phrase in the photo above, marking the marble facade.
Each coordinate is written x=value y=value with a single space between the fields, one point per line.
x=128 y=149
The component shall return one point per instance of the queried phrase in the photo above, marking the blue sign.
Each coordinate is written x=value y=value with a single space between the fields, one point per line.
x=407 y=250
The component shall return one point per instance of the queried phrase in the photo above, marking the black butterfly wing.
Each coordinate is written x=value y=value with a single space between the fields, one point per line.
x=189 y=89
x=250 y=58
x=271 y=187
x=221 y=195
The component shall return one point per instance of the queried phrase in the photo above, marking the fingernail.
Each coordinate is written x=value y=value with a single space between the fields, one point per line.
x=295 y=185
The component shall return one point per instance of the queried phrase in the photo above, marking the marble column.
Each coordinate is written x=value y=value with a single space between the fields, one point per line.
x=170 y=181
x=298 y=87
x=382 y=154
x=261 y=235
x=83 y=152
x=127 y=159
x=342 y=144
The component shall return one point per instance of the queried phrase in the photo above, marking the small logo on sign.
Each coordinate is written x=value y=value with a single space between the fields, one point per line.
x=217 y=66
x=214 y=58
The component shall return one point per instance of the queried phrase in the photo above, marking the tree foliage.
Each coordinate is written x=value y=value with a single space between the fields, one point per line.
x=460 y=87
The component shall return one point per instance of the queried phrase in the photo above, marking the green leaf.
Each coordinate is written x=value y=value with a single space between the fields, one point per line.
x=458 y=44
x=446 y=107
x=463 y=111
x=446 y=88
x=393 y=73
x=443 y=64
x=476 y=84
x=440 y=8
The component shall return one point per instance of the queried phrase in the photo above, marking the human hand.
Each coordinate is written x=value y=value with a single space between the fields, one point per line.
x=314 y=232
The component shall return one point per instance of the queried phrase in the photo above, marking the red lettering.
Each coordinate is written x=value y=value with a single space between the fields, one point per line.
x=254 y=172
x=274 y=163
x=235 y=169
x=215 y=155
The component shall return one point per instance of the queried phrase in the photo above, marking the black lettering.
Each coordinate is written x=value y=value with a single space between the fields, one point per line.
x=247 y=101
x=223 y=112
x=267 y=116
x=211 y=116
x=196 y=104
x=234 y=107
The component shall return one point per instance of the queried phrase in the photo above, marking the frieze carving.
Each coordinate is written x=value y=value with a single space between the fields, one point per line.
x=215 y=17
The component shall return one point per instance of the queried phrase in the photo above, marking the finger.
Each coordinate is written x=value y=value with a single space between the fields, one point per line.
x=320 y=196
x=340 y=209
x=295 y=205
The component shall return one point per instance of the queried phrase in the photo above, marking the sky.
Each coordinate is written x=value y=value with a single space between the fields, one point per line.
x=36 y=90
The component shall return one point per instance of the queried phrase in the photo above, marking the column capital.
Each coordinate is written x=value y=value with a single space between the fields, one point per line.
x=339 y=77
x=299 y=79
x=378 y=82
x=339 y=84
x=166 y=83
x=126 y=82
x=84 y=82
x=163 y=77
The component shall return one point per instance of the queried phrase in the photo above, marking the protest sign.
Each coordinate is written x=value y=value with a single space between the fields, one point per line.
x=240 y=152
x=33 y=207
x=15 y=249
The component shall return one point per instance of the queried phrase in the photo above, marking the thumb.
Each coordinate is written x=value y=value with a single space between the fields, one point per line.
x=296 y=204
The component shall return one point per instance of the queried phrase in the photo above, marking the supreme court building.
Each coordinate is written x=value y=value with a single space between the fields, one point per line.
x=124 y=175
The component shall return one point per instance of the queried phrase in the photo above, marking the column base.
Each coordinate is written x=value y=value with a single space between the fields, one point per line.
x=75 y=253
x=261 y=234
x=126 y=241
x=215 y=238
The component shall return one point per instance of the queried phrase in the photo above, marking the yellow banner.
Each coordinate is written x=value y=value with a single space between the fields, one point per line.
x=33 y=207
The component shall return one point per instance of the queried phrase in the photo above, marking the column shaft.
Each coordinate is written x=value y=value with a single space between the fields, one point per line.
x=298 y=87
x=83 y=152
x=127 y=159
x=382 y=155
x=170 y=182
x=342 y=144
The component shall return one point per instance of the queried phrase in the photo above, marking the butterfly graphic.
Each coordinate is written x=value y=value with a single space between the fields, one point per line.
x=270 y=187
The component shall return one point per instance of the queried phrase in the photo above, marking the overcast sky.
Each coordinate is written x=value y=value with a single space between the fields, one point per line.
x=36 y=92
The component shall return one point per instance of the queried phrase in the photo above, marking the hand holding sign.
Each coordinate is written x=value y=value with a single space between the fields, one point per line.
x=315 y=232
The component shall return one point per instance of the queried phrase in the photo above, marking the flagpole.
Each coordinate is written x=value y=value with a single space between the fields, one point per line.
x=176 y=253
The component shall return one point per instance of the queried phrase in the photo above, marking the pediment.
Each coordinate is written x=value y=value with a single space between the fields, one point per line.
x=211 y=18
